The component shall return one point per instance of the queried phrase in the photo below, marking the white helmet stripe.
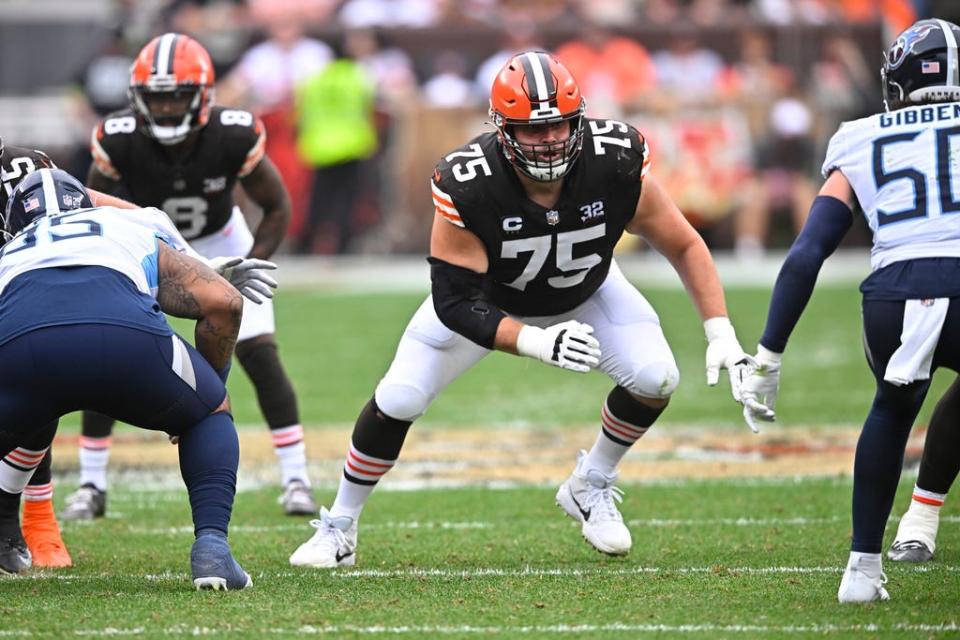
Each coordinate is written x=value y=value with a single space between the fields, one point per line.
x=953 y=68
x=50 y=202
x=165 y=54
x=539 y=77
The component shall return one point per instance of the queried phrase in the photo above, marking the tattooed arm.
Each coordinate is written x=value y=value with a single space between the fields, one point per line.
x=188 y=288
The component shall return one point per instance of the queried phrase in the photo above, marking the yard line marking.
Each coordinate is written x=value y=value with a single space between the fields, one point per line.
x=616 y=627
x=495 y=572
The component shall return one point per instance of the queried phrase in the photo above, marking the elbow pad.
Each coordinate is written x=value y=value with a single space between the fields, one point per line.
x=462 y=305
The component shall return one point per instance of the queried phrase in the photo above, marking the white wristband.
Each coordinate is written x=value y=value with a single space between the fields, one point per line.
x=765 y=356
x=718 y=327
x=529 y=340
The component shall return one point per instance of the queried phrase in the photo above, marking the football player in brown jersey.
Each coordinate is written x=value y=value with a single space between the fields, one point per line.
x=175 y=150
x=522 y=261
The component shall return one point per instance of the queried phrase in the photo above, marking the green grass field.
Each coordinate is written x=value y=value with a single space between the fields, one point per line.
x=732 y=558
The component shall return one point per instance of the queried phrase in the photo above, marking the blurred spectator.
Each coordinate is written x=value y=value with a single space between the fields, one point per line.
x=608 y=13
x=543 y=13
x=395 y=92
x=100 y=88
x=755 y=81
x=782 y=179
x=517 y=35
x=896 y=14
x=335 y=114
x=417 y=14
x=390 y=67
x=448 y=86
x=264 y=80
x=221 y=26
x=615 y=71
x=842 y=85
x=688 y=75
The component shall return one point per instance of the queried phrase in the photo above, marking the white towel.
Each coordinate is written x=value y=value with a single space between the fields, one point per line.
x=922 y=322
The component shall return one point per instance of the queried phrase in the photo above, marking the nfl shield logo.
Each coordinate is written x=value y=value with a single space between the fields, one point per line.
x=553 y=217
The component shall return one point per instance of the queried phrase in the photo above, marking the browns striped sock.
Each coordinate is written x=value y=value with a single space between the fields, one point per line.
x=17 y=468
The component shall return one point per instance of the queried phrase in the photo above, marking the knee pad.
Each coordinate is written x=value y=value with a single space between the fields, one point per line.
x=401 y=401
x=654 y=380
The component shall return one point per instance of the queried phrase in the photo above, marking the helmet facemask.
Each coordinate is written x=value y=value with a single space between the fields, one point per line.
x=542 y=162
x=171 y=114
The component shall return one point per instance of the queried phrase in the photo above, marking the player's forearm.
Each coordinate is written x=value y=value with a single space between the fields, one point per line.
x=101 y=199
x=699 y=275
x=270 y=233
x=508 y=332
x=826 y=225
x=216 y=332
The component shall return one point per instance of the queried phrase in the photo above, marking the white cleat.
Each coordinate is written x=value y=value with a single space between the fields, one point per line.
x=297 y=499
x=858 y=585
x=334 y=543
x=588 y=496
x=916 y=536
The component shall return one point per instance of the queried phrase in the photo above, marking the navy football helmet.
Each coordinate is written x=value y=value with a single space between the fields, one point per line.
x=41 y=193
x=922 y=65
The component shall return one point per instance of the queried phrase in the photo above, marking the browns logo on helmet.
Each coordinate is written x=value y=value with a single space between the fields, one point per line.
x=171 y=87
x=535 y=88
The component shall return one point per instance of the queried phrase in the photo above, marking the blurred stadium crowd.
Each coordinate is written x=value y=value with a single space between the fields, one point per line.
x=361 y=97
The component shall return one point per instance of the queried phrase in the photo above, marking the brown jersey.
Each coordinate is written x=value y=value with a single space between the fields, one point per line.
x=15 y=163
x=195 y=190
x=545 y=261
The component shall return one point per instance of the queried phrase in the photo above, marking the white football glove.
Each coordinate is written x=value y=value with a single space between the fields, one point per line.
x=568 y=345
x=724 y=352
x=758 y=392
x=247 y=275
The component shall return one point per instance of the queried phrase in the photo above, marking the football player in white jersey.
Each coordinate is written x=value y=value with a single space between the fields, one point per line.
x=83 y=291
x=902 y=167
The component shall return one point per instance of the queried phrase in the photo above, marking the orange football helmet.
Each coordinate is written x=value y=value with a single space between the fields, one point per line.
x=171 y=87
x=535 y=88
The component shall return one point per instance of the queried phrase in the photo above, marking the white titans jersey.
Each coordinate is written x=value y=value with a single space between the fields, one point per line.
x=124 y=240
x=905 y=169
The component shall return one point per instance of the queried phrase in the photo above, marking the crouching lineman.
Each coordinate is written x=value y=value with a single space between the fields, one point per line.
x=900 y=166
x=521 y=261
x=82 y=296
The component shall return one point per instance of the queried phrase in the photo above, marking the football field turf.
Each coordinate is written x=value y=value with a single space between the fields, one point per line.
x=720 y=550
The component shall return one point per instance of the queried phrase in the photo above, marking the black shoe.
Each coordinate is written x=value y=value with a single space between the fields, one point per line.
x=14 y=555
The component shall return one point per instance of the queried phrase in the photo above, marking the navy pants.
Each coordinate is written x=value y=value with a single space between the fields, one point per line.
x=147 y=380
x=879 y=457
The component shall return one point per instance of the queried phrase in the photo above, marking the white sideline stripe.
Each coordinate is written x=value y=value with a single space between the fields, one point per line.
x=494 y=572
x=302 y=527
x=421 y=630
x=651 y=522
x=157 y=484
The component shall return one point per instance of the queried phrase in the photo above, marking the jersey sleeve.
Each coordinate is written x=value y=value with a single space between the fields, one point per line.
x=162 y=227
x=245 y=137
x=836 y=152
x=443 y=203
x=43 y=160
x=107 y=142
